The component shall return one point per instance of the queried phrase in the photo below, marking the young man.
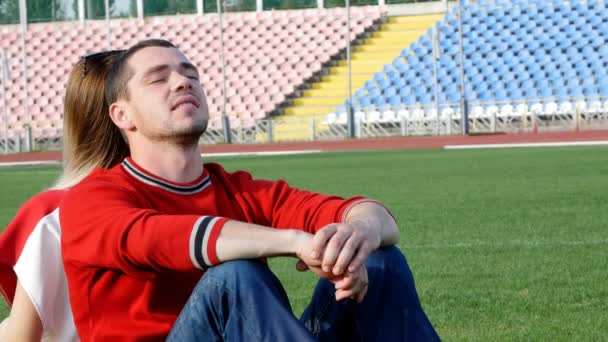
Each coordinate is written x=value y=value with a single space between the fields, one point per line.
x=162 y=235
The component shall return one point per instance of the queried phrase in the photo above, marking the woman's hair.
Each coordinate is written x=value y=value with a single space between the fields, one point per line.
x=90 y=138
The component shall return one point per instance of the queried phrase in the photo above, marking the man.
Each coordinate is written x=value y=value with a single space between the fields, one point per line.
x=163 y=235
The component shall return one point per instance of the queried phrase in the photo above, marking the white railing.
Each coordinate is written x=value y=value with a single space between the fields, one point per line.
x=536 y=115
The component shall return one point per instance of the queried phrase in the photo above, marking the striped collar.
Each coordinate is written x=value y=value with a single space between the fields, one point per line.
x=143 y=176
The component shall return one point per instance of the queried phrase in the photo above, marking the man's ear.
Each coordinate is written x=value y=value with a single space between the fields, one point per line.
x=120 y=116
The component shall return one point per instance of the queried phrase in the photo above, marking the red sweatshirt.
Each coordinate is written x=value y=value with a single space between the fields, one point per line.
x=135 y=245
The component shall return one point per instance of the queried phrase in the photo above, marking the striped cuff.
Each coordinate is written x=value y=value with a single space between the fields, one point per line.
x=363 y=200
x=204 y=235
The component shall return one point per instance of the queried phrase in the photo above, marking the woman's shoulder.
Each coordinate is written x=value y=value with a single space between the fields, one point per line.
x=42 y=203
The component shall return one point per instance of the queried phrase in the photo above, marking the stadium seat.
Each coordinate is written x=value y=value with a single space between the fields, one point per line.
x=258 y=48
x=550 y=108
x=389 y=116
x=515 y=43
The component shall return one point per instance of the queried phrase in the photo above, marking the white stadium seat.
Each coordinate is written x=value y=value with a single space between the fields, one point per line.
x=566 y=108
x=506 y=110
x=551 y=108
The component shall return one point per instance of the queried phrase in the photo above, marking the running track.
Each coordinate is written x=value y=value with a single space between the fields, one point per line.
x=427 y=142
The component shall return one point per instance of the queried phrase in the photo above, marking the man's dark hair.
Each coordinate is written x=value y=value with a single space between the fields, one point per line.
x=121 y=73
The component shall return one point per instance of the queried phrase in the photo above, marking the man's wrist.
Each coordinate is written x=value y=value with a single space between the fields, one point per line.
x=372 y=226
x=297 y=242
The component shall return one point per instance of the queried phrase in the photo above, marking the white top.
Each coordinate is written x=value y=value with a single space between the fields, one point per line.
x=41 y=274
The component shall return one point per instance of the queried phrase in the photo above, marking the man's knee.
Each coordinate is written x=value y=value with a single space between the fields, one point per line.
x=238 y=272
x=387 y=258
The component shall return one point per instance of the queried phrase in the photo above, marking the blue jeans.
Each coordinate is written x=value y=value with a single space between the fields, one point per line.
x=244 y=301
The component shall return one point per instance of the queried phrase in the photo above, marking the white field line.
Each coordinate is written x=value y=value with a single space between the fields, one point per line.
x=512 y=243
x=226 y=154
x=30 y=163
x=260 y=153
x=516 y=145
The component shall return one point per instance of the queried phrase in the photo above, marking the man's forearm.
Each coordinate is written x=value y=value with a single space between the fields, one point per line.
x=240 y=240
x=376 y=217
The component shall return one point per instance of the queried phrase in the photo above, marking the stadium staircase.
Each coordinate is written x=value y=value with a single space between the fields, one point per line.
x=377 y=49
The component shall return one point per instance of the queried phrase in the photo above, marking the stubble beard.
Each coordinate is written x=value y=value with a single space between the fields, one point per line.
x=182 y=137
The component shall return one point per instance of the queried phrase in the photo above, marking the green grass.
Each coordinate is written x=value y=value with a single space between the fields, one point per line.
x=504 y=244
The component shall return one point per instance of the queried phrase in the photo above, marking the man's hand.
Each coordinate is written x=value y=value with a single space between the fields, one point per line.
x=350 y=285
x=307 y=260
x=337 y=253
x=353 y=285
x=344 y=247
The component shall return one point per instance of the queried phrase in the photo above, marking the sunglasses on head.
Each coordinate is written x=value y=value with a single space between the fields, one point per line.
x=95 y=55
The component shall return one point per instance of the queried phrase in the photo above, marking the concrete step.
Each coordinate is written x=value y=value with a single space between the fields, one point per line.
x=392 y=48
x=310 y=110
x=343 y=93
x=355 y=69
x=328 y=100
x=407 y=19
x=410 y=35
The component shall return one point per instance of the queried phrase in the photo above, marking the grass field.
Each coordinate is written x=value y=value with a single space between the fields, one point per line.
x=504 y=244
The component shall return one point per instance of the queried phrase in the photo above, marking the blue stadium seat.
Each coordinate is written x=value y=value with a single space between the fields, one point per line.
x=395 y=101
x=374 y=92
x=575 y=91
x=361 y=93
x=376 y=101
x=366 y=101
x=569 y=74
x=514 y=49
x=394 y=75
x=405 y=91
x=384 y=82
x=546 y=92
x=562 y=92
x=573 y=83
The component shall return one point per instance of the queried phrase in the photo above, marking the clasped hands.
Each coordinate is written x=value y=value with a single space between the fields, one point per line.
x=338 y=253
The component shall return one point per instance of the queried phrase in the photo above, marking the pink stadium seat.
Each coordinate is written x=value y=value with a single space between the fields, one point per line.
x=259 y=114
x=273 y=89
x=267 y=54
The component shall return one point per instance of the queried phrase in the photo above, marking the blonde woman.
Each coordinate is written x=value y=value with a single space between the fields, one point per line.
x=32 y=278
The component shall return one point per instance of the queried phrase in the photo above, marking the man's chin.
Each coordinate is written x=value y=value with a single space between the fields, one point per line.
x=190 y=137
x=184 y=137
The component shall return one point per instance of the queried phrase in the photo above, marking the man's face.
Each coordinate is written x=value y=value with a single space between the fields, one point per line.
x=166 y=99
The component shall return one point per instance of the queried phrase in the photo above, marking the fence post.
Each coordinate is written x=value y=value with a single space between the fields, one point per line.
x=29 y=141
x=448 y=124
x=351 y=122
x=437 y=124
x=227 y=130
x=241 y=133
x=17 y=147
x=313 y=132
x=358 y=127
x=270 y=130
x=493 y=123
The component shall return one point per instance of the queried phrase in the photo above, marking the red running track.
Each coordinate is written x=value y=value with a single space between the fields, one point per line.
x=426 y=142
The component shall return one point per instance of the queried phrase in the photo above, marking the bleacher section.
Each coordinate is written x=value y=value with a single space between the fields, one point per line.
x=541 y=56
x=367 y=59
x=267 y=56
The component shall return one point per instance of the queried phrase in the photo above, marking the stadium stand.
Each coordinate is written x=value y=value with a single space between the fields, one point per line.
x=370 y=53
x=537 y=56
x=267 y=55
x=377 y=49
